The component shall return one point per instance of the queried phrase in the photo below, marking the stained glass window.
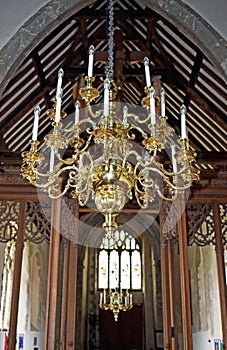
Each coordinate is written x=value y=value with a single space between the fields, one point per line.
x=103 y=268
x=119 y=262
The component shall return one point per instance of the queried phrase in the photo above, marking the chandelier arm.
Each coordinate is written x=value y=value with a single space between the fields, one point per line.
x=90 y=159
x=137 y=118
x=169 y=199
x=61 y=194
x=75 y=127
x=143 y=134
x=128 y=154
x=171 y=173
x=87 y=144
x=68 y=161
x=94 y=115
x=42 y=175
x=68 y=185
x=145 y=199
x=84 y=202
x=168 y=182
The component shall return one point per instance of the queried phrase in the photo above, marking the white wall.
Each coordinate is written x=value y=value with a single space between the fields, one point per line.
x=206 y=314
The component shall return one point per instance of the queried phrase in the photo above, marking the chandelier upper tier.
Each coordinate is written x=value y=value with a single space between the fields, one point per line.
x=122 y=170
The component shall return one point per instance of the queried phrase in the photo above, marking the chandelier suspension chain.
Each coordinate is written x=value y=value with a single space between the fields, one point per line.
x=110 y=29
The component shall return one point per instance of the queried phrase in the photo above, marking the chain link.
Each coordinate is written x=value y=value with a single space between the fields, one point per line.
x=110 y=62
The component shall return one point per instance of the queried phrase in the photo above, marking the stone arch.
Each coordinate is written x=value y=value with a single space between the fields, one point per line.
x=56 y=12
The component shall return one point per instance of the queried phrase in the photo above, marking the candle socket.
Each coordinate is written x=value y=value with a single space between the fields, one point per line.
x=51 y=112
x=146 y=100
x=34 y=145
x=88 y=92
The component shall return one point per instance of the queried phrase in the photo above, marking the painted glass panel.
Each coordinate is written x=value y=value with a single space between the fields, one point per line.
x=125 y=270
x=136 y=270
x=103 y=270
x=114 y=269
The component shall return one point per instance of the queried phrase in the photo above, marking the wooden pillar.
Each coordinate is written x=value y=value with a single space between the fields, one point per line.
x=184 y=276
x=165 y=286
x=72 y=286
x=17 y=276
x=172 y=289
x=71 y=298
x=221 y=272
x=64 y=294
x=52 y=287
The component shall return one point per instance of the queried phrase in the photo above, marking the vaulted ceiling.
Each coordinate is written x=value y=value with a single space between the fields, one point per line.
x=187 y=75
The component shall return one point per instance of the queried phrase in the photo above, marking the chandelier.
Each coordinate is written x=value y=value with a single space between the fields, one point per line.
x=116 y=301
x=121 y=171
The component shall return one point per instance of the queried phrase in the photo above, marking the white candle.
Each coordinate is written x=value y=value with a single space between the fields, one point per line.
x=152 y=106
x=174 y=161
x=101 y=298
x=146 y=158
x=147 y=71
x=125 y=112
x=130 y=298
x=51 y=160
x=77 y=111
x=58 y=96
x=60 y=76
x=90 y=61
x=81 y=161
x=183 y=122
x=36 y=123
x=106 y=97
x=58 y=109
x=162 y=97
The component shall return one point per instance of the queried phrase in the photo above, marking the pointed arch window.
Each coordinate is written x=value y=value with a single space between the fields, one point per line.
x=119 y=262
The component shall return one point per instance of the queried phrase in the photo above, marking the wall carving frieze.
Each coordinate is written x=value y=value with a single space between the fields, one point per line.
x=223 y=216
x=200 y=224
x=9 y=213
x=37 y=226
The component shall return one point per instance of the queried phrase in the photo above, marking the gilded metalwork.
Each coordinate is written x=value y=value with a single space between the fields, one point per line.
x=88 y=92
x=122 y=170
x=116 y=302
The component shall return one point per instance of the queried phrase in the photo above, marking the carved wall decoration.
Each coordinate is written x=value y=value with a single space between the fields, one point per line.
x=169 y=212
x=9 y=213
x=69 y=208
x=37 y=227
x=200 y=222
x=223 y=216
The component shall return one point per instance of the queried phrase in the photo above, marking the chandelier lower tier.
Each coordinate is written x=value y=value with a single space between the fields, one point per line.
x=122 y=170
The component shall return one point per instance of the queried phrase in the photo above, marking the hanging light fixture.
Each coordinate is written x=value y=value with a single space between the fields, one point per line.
x=122 y=172
x=116 y=301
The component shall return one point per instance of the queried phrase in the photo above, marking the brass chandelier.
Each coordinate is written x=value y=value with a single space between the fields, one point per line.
x=123 y=171
x=115 y=301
